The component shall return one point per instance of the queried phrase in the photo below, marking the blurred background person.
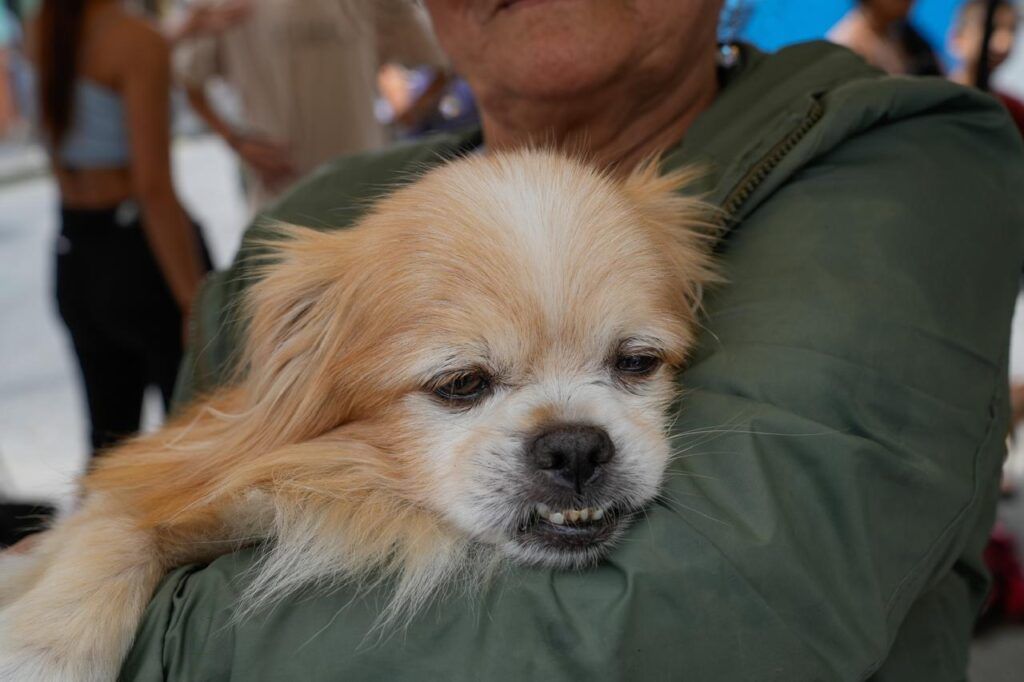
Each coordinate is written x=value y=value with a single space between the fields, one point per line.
x=8 y=30
x=881 y=32
x=305 y=72
x=129 y=259
x=965 y=44
x=202 y=19
x=421 y=101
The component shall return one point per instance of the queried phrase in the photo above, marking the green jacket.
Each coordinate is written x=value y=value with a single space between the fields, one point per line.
x=840 y=443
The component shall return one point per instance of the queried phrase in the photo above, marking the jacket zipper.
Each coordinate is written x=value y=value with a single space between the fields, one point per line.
x=756 y=175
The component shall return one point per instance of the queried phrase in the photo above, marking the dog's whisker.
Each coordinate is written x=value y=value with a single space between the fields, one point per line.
x=677 y=506
x=689 y=474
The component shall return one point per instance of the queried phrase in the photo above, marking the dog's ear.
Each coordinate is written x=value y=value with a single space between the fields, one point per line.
x=304 y=291
x=685 y=225
x=301 y=309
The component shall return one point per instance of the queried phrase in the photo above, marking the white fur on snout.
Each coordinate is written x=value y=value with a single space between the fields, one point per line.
x=477 y=455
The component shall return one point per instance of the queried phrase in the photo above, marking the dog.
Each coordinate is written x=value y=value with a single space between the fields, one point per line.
x=478 y=370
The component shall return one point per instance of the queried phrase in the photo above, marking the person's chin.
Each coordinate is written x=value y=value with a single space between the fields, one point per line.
x=560 y=78
x=558 y=17
x=566 y=65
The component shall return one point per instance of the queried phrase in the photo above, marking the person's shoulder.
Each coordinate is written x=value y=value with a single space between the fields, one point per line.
x=861 y=96
x=847 y=29
x=137 y=37
x=817 y=65
x=934 y=106
x=849 y=87
x=779 y=113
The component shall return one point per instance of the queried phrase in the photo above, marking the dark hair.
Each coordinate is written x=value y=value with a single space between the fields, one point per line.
x=60 y=31
x=988 y=8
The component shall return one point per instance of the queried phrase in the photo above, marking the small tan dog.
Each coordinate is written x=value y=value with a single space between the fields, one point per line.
x=479 y=369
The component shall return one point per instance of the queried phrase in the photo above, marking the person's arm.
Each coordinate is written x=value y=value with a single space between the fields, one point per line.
x=196 y=63
x=205 y=19
x=405 y=36
x=268 y=158
x=146 y=91
x=427 y=101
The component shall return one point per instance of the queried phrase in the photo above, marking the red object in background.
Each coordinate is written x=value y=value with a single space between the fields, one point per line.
x=1015 y=107
x=1005 y=602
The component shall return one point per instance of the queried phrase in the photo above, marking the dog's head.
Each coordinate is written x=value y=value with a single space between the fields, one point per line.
x=504 y=333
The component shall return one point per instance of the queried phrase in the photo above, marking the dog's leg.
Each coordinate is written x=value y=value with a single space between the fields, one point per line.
x=77 y=620
x=19 y=570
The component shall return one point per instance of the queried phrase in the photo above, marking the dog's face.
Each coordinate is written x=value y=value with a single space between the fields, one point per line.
x=506 y=333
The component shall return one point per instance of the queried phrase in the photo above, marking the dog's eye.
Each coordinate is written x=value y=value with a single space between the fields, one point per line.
x=637 y=365
x=463 y=388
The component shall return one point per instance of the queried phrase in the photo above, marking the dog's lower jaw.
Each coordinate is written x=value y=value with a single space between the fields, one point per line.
x=526 y=551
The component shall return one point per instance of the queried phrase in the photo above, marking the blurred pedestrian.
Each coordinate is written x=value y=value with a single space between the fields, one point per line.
x=8 y=30
x=201 y=19
x=305 y=72
x=881 y=32
x=419 y=102
x=129 y=259
x=966 y=41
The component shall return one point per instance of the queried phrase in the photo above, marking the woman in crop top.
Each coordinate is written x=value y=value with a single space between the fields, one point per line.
x=129 y=259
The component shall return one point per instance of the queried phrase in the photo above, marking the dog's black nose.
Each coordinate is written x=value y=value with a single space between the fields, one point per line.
x=571 y=454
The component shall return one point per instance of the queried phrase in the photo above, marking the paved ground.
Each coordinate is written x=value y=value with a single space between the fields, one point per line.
x=42 y=428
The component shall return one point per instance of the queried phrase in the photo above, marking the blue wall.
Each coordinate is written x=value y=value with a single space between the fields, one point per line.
x=775 y=23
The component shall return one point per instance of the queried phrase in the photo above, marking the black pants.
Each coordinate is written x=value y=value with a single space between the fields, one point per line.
x=125 y=325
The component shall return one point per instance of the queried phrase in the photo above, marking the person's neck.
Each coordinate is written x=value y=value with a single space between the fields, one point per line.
x=95 y=7
x=965 y=74
x=614 y=127
x=877 y=24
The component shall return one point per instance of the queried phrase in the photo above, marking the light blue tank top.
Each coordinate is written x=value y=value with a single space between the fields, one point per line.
x=97 y=136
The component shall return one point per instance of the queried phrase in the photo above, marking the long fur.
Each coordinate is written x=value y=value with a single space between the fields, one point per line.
x=317 y=450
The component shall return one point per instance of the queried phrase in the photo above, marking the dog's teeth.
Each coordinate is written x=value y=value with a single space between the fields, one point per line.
x=569 y=515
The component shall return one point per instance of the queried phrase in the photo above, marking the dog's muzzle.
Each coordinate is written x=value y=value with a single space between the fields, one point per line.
x=571 y=456
x=574 y=512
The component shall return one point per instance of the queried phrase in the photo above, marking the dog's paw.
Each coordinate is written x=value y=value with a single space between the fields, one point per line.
x=17 y=574
x=33 y=666
x=22 y=667
x=24 y=661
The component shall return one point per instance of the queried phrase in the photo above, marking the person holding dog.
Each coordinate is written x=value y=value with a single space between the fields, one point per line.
x=839 y=446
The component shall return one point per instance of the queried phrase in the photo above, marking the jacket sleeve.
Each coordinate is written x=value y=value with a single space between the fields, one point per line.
x=857 y=381
x=838 y=454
